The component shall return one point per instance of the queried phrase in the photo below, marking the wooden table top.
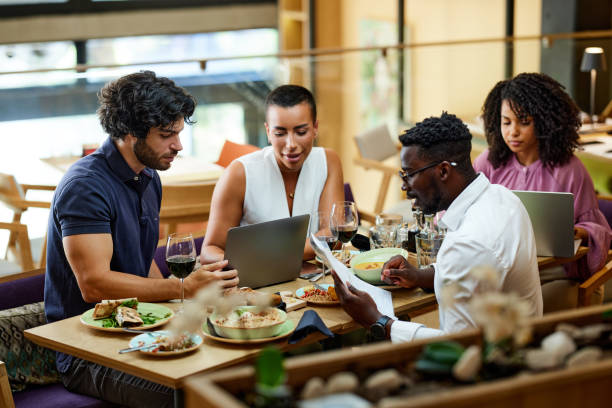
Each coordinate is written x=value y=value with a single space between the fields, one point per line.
x=184 y=169
x=72 y=337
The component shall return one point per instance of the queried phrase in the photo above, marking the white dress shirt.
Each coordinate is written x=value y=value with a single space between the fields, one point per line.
x=486 y=225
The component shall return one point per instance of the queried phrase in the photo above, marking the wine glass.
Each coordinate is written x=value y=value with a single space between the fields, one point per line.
x=325 y=234
x=344 y=223
x=180 y=258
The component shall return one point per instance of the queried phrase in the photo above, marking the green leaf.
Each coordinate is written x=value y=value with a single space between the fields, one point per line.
x=133 y=303
x=269 y=368
x=444 y=352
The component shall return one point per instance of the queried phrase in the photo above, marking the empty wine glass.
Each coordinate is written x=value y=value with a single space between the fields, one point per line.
x=180 y=258
x=325 y=234
x=343 y=223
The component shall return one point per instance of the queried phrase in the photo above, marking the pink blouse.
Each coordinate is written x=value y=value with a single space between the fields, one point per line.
x=572 y=178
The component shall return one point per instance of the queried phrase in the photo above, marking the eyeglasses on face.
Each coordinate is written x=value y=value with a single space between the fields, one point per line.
x=408 y=175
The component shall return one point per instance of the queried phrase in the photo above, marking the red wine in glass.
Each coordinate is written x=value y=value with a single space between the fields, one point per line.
x=346 y=233
x=181 y=265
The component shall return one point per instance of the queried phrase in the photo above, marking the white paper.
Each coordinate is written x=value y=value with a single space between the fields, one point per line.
x=381 y=297
x=577 y=243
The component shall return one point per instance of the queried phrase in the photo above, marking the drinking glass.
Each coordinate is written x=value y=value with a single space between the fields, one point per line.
x=180 y=258
x=427 y=250
x=325 y=234
x=343 y=223
x=387 y=226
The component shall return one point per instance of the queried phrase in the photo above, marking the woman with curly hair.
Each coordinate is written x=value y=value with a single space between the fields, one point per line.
x=531 y=125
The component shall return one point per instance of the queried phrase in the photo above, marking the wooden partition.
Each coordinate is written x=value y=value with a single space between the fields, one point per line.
x=586 y=386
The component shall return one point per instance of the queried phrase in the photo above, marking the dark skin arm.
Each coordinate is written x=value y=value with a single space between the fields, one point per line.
x=398 y=271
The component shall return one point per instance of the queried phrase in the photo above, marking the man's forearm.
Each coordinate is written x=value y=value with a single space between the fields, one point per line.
x=117 y=285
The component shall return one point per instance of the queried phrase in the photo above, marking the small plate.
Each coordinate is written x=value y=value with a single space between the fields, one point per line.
x=286 y=329
x=149 y=338
x=157 y=309
x=300 y=292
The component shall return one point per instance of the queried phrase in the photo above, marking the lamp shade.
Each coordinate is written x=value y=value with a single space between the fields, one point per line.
x=593 y=58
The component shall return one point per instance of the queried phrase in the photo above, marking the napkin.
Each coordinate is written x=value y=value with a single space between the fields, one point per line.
x=309 y=323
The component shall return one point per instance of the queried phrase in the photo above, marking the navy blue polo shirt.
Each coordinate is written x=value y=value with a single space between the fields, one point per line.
x=100 y=194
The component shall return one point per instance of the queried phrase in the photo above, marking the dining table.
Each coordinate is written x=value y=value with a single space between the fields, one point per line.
x=72 y=337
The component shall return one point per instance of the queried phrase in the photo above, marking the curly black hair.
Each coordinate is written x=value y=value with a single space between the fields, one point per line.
x=287 y=96
x=555 y=117
x=443 y=138
x=135 y=103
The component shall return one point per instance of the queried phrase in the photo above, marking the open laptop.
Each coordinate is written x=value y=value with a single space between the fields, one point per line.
x=552 y=218
x=269 y=252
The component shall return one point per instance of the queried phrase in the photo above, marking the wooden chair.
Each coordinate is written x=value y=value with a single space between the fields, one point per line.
x=374 y=146
x=19 y=232
x=231 y=151
x=13 y=195
x=6 y=397
x=586 y=289
x=185 y=203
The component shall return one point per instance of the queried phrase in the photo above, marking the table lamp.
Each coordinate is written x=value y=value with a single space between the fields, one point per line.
x=593 y=60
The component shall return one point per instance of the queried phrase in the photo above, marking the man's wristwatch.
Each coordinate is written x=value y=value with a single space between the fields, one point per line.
x=378 y=330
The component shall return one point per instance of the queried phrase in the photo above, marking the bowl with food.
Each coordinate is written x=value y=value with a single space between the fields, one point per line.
x=249 y=322
x=368 y=265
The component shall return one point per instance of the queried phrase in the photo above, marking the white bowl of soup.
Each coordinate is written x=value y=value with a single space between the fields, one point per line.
x=249 y=322
x=368 y=265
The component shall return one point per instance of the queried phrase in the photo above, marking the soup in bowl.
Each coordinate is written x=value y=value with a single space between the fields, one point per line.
x=368 y=265
x=249 y=322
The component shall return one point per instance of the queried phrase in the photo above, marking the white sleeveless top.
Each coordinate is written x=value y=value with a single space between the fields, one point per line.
x=265 y=198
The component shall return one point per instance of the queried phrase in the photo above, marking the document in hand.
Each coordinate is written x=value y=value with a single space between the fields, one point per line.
x=381 y=297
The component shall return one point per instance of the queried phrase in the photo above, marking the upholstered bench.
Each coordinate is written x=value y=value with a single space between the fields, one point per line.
x=30 y=366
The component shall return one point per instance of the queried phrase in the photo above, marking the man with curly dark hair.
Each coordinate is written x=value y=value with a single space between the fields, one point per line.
x=104 y=226
x=531 y=125
x=486 y=224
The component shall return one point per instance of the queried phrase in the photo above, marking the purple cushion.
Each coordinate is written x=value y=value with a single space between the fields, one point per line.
x=160 y=256
x=21 y=292
x=55 y=395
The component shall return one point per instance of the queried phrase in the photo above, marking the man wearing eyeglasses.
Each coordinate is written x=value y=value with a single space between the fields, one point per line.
x=486 y=225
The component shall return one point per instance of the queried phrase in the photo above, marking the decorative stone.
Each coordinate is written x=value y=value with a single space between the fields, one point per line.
x=560 y=344
x=315 y=387
x=593 y=331
x=538 y=359
x=584 y=356
x=570 y=329
x=383 y=382
x=342 y=382
x=468 y=365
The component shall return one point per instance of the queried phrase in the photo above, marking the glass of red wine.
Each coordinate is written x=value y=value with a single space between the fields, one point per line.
x=180 y=258
x=325 y=234
x=343 y=223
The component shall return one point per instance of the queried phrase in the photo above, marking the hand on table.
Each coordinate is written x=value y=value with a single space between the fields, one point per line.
x=398 y=271
x=358 y=304
x=209 y=273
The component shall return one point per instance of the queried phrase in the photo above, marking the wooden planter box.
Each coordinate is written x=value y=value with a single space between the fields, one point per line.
x=586 y=386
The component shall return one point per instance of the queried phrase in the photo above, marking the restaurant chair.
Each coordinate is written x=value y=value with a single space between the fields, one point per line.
x=21 y=298
x=6 y=398
x=187 y=203
x=373 y=147
x=22 y=244
x=586 y=288
x=13 y=196
x=231 y=151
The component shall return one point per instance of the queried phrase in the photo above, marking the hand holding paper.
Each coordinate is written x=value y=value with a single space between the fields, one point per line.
x=381 y=297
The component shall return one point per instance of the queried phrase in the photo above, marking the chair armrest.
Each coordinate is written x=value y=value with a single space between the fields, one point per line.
x=6 y=397
x=373 y=164
x=21 y=275
x=31 y=204
x=597 y=279
x=27 y=187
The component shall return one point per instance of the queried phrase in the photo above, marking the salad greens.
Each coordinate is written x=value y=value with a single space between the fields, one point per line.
x=147 y=319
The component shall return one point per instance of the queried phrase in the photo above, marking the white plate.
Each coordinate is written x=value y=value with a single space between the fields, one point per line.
x=149 y=338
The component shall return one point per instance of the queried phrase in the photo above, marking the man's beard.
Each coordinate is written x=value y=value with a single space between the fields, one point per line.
x=147 y=156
